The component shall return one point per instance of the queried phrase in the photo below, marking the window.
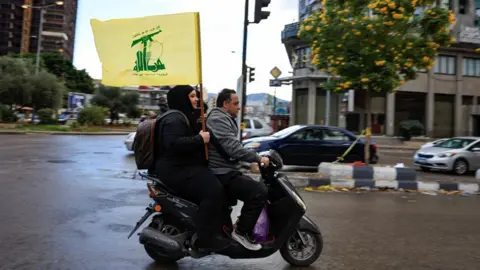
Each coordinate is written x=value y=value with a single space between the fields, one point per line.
x=455 y=143
x=471 y=67
x=308 y=135
x=247 y=123
x=301 y=57
x=419 y=11
x=334 y=135
x=444 y=3
x=10 y=34
x=462 y=6
x=9 y=44
x=445 y=65
x=257 y=124
x=475 y=145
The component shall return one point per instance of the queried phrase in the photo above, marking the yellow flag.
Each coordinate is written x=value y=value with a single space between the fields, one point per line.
x=154 y=50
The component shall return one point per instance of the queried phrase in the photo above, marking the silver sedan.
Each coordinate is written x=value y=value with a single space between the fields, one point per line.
x=129 y=141
x=459 y=155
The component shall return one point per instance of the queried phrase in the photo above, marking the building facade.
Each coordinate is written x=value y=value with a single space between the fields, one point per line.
x=19 y=25
x=444 y=99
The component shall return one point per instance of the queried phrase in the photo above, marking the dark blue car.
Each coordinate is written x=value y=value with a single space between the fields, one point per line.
x=309 y=145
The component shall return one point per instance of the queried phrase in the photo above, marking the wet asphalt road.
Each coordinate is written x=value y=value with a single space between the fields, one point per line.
x=68 y=202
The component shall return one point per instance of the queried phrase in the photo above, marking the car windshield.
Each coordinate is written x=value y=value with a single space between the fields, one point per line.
x=455 y=143
x=286 y=131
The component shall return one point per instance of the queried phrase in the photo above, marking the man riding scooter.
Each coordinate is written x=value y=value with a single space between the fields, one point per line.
x=225 y=153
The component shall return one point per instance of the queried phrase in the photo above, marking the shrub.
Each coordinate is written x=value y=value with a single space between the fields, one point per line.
x=93 y=115
x=46 y=116
x=7 y=115
x=75 y=124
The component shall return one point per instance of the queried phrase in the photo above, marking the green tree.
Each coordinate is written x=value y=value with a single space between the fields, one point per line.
x=47 y=91
x=15 y=87
x=108 y=97
x=46 y=116
x=116 y=101
x=375 y=45
x=93 y=115
x=75 y=80
x=130 y=101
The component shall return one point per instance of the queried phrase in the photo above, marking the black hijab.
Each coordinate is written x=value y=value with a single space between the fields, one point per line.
x=178 y=99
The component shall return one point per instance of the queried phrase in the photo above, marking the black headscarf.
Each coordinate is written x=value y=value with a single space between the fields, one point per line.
x=178 y=99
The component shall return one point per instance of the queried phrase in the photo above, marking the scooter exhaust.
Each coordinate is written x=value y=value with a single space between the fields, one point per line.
x=163 y=243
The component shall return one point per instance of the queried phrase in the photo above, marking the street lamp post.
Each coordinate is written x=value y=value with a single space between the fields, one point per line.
x=42 y=9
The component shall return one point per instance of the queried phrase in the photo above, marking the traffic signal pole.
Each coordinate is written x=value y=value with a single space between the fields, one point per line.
x=244 y=69
x=259 y=15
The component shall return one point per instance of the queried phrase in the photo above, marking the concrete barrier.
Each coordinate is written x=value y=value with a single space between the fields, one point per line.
x=365 y=173
x=320 y=180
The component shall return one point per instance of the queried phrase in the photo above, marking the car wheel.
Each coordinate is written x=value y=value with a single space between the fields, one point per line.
x=460 y=167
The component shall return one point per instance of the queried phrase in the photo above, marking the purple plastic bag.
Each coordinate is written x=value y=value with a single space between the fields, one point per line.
x=260 y=232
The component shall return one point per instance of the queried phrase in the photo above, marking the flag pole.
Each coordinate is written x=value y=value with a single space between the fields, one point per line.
x=199 y=55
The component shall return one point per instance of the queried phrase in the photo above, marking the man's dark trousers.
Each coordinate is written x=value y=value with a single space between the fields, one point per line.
x=252 y=193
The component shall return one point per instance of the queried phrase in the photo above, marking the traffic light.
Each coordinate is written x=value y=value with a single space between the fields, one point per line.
x=259 y=13
x=251 y=74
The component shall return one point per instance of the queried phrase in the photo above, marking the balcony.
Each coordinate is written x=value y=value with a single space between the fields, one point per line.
x=290 y=31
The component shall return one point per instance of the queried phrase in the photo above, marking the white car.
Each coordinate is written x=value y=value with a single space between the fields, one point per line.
x=256 y=127
x=129 y=141
x=430 y=144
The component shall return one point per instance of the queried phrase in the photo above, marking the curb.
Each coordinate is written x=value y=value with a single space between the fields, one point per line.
x=303 y=182
x=365 y=173
x=390 y=147
x=66 y=133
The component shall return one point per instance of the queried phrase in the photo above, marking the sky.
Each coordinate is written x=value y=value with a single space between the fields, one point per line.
x=222 y=37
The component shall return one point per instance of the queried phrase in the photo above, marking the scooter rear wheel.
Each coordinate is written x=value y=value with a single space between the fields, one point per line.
x=167 y=228
x=294 y=252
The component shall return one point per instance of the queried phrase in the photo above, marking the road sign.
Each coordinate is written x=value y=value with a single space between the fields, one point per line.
x=275 y=83
x=243 y=126
x=276 y=72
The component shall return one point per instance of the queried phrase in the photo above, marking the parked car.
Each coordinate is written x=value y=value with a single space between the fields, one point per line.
x=256 y=127
x=65 y=117
x=459 y=155
x=309 y=145
x=430 y=144
x=129 y=141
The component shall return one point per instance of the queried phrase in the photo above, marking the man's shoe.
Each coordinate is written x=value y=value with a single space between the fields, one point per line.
x=246 y=240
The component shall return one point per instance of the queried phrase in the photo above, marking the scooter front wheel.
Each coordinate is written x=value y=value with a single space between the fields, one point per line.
x=302 y=253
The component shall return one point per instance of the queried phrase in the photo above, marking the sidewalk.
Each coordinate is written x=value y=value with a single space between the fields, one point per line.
x=413 y=146
x=318 y=181
x=26 y=132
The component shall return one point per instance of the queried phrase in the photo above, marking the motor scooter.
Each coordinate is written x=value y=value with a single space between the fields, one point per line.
x=170 y=236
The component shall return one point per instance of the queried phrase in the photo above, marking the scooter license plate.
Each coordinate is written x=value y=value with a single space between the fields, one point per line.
x=422 y=160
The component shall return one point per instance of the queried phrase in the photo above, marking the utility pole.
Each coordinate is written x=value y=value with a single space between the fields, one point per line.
x=259 y=15
x=244 y=68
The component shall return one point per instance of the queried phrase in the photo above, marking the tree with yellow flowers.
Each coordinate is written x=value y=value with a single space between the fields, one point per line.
x=375 y=45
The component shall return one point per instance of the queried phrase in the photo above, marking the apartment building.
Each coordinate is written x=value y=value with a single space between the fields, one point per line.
x=21 y=25
x=444 y=99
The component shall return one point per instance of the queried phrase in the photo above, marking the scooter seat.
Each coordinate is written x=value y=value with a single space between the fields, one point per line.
x=230 y=201
x=159 y=182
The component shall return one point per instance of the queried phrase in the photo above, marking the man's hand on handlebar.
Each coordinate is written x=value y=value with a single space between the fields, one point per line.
x=264 y=161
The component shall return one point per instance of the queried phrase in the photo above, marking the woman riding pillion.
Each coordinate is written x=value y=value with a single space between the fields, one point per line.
x=181 y=165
